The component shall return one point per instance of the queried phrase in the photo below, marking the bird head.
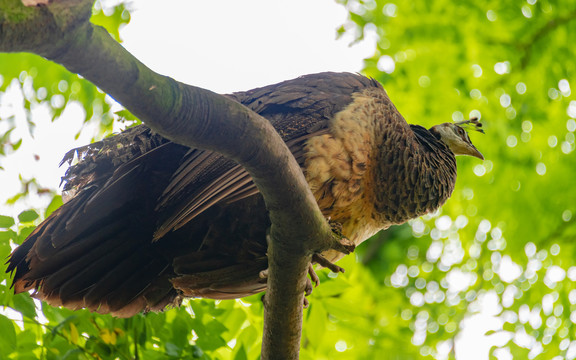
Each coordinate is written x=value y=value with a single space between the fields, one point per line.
x=454 y=135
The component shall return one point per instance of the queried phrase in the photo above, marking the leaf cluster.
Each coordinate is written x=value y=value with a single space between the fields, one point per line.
x=502 y=247
x=500 y=250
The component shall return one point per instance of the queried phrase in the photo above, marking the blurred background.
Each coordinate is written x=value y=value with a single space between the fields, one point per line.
x=489 y=276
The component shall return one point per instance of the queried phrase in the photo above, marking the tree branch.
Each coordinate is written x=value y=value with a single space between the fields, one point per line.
x=198 y=118
x=541 y=32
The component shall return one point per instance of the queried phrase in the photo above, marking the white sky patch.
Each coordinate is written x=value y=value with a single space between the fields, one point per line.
x=232 y=45
x=508 y=270
x=473 y=342
x=41 y=151
x=554 y=274
x=459 y=280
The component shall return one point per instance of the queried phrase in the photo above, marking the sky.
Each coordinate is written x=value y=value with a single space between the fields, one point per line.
x=232 y=45
x=223 y=46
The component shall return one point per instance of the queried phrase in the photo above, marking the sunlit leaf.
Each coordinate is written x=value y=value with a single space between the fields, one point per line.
x=6 y=221
x=16 y=145
x=108 y=336
x=73 y=334
x=54 y=204
x=27 y=216
x=8 y=339
x=241 y=354
x=112 y=19
x=24 y=232
x=25 y=305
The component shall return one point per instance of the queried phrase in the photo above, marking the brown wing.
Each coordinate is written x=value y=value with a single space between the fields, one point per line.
x=298 y=109
x=97 y=250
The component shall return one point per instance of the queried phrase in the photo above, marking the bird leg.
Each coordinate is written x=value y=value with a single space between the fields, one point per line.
x=312 y=279
x=340 y=244
x=322 y=261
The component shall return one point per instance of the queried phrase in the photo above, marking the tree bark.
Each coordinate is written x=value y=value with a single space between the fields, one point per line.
x=198 y=118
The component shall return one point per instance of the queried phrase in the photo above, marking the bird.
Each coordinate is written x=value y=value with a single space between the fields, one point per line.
x=147 y=222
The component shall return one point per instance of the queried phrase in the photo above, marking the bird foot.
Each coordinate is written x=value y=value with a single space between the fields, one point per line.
x=309 y=287
x=313 y=279
x=342 y=244
x=263 y=275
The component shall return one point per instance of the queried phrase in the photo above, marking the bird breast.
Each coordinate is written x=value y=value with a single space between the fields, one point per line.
x=339 y=164
x=372 y=171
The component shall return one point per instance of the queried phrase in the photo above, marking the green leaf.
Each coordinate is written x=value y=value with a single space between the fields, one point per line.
x=14 y=198
x=5 y=236
x=24 y=233
x=73 y=354
x=8 y=340
x=5 y=249
x=197 y=352
x=25 y=305
x=16 y=145
x=125 y=115
x=6 y=221
x=27 y=216
x=54 y=204
x=112 y=22
x=173 y=350
x=241 y=354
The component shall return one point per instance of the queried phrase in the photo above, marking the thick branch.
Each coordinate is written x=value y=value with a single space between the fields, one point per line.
x=197 y=118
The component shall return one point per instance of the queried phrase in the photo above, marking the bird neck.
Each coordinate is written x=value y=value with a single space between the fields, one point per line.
x=416 y=176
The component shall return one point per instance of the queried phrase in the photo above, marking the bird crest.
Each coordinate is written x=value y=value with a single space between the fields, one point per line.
x=471 y=125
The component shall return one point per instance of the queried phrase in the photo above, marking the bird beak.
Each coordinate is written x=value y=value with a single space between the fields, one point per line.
x=472 y=151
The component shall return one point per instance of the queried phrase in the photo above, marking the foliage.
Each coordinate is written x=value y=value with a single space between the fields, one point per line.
x=500 y=250
x=506 y=236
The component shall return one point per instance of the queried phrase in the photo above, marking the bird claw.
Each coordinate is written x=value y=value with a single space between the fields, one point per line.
x=313 y=277
x=322 y=261
x=341 y=244
x=263 y=275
